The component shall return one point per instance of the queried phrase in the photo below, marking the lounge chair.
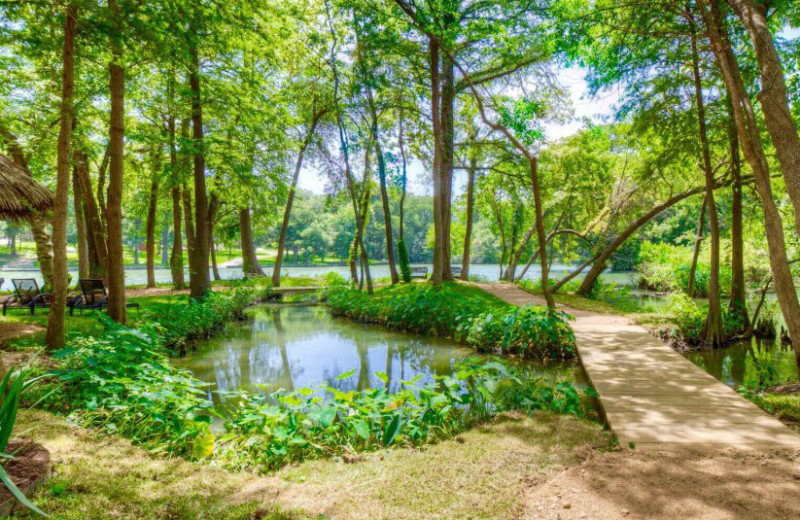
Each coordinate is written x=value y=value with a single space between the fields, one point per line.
x=456 y=271
x=93 y=296
x=27 y=295
x=419 y=272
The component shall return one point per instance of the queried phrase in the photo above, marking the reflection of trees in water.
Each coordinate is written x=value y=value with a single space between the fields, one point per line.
x=262 y=352
x=761 y=362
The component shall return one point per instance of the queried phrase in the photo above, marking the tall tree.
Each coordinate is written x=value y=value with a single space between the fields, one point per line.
x=55 y=320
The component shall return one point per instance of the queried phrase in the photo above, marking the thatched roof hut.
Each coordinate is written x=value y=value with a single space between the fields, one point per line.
x=20 y=195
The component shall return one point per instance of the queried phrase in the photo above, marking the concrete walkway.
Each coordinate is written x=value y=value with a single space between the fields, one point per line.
x=651 y=395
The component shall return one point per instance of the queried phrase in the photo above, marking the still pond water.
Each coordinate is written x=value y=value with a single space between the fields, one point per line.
x=291 y=347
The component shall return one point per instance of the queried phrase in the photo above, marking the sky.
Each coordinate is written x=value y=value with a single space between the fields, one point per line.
x=597 y=109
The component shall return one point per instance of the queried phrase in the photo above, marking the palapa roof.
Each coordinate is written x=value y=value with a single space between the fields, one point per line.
x=20 y=195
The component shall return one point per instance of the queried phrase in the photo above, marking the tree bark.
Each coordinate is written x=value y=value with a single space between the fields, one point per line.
x=696 y=253
x=276 y=270
x=250 y=264
x=465 y=260
x=116 y=266
x=55 y=320
x=176 y=258
x=773 y=97
x=738 y=300
x=78 y=206
x=754 y=154
x=213 y=208
x=438 y=233
x=537 y=201
x=199 y=282
x=712 y=329
x=151 y=230
x=95 y=237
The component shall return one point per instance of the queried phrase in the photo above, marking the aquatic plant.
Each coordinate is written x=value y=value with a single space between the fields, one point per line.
x=267 y=432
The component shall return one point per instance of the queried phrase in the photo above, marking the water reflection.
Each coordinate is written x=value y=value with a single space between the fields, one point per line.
x=303 y=346
x=749 y=363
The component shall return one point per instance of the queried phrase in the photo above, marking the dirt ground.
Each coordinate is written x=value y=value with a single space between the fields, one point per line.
x=13 y=330
x=674 y=484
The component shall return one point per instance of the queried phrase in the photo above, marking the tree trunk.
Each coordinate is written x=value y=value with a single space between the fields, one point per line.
x=151 y=232
x=473 y=165
x=55 y=320
x=438 y=233
x=276 y=270
x=387 y=215
x=176 y=258
x=95 y=237
x=698 y=241
x=250 y=264
x=80 y=224
x=116 y=266
x=447 y=124
x=712 y=329
x=199 y=282
x=773 y=97
x=599 y=262
x=537 y=201
x=213 y=208
x=754 y=154
x=738 y=300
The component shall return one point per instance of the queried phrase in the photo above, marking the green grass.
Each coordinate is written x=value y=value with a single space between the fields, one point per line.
x=99 y=478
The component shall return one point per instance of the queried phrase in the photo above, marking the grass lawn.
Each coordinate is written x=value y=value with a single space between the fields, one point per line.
x=482 y=473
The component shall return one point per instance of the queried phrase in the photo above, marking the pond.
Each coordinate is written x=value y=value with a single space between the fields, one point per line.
x=297 y=346
x=749 y=363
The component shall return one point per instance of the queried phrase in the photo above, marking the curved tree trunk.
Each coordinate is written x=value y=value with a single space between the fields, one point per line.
x=537 y=200
x=176 y=257
x=55 y=320
x=698 y=241
x=80 y=224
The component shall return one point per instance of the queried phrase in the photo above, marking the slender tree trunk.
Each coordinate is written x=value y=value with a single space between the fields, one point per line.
x=55 y=321
x=80 y=224
x=738 y=300
x=465 y=260
x=250 y=264
x=438 y=232
x=199 y=282
x=165 y=238
x=276 y=270
x=151 y=231
x=537 y=200
x=213 y=208
x=116 y=266
x=176 y=258
x=712 y=329
x=754 y=154
x=95 y=236
x=387 y=215
x=773 y=97
x=698 y=241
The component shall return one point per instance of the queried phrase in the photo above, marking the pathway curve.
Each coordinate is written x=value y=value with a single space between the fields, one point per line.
x=652 y=395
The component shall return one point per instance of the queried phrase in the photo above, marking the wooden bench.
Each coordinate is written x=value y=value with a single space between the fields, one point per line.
x=419 y=272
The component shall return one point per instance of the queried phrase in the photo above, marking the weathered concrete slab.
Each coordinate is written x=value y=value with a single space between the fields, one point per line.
x=654 y=397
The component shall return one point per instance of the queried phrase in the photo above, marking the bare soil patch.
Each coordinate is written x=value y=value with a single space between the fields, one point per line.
x=29 y=468
x=690 y=483
x=10 y=330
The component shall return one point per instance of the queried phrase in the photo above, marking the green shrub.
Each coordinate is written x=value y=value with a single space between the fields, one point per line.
x=689 y=318
x=124 y=383
x=266 y=433
x=530 y=331
x=666 y=267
